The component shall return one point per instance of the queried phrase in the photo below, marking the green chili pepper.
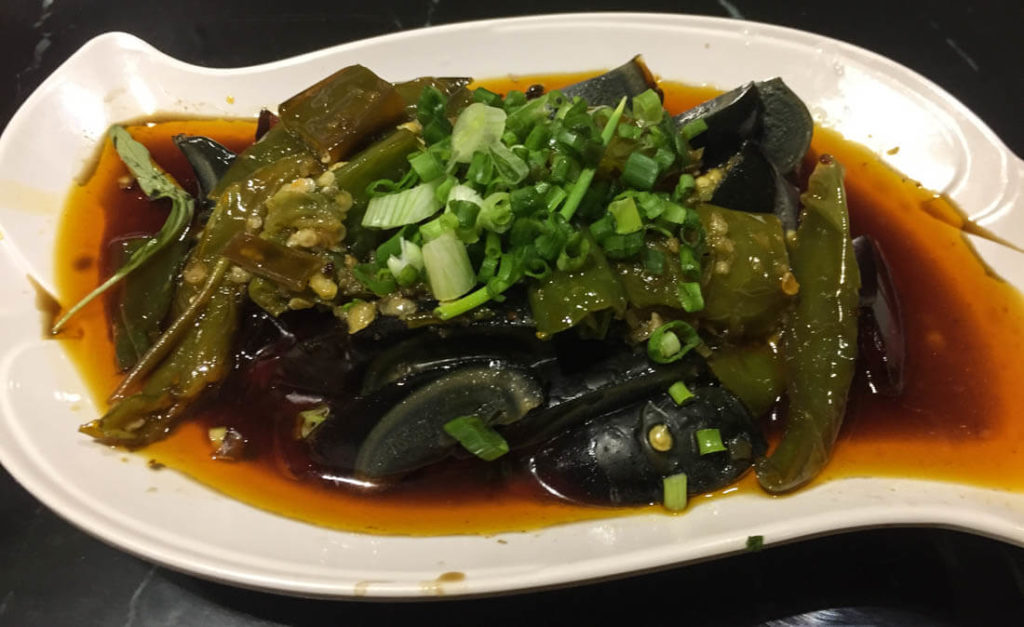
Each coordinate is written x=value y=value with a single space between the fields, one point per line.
x=752 y=372
x=195 y=349
x=647 y=288
x=820 y=340
x=156 y=184
x=277 y=144
x=145 y=299
x=340 y=112
x=744 y=273
x=563 y=299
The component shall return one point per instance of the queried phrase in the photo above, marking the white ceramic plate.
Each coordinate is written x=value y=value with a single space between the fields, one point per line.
x=190 y=528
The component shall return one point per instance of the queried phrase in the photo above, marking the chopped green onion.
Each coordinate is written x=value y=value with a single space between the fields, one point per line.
x=674 y=213
x=709 y=441
x=537 y=138
x=536 y=268
x=690 y=296
x=476 y=437
x=640 y=171
x=679 y=392
x=613 y=122
x=407 y=265
x=521 y=120
x=427 y=166
x=560 y=167
x=378 y=280
x=444 y=223
x=436 y=131
x=574 y=254
x=623 y=246
x=465 y=211
x=432 y=104
x=406 y=207
x=444 y=188
x=694 y=128
x=627 y=218
x=651 y=205
x=496 y=213
x=525 y=201
x=647 y=107
x=554 y=197
x=674 y=492
x=448 y=268
x=628 y=131
x=447 y=311
x=688 y=263
x=514 y=99
x=684 y=188
x=549 y=244
x=510 y=166
x=603 y=228
x=486 y=96
x=586 y=177
x=664 y=158
x=665 y=346
x=481 y=169
x=479 y=127
x=755 y=543
x=579 y=188
x=654 y=261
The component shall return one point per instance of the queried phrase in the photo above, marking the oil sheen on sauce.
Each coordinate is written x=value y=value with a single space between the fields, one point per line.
x=957 y=420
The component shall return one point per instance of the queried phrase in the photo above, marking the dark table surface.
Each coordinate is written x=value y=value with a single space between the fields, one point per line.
x=53 y=574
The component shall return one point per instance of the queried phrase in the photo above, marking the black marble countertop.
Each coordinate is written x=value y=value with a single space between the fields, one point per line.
x=53 y=574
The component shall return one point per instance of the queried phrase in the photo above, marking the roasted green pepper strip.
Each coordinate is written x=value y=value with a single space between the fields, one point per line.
x=753 y=372
x=338 y=114
x=820 y=340
x=145 y=299
x=746 y=282
x=647 y=289
x=195 y=350
x=562 y=299
x=289 y=267
x=275 y=145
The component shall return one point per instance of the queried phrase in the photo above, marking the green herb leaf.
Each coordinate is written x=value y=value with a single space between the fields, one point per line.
x=156 y=184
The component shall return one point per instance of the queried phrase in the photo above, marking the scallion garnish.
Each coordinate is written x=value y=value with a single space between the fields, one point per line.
x=427 y=166
x=448 y=268
x=640 y=171
x=671 y=341
x=627 y=217
x=679 y=392
x=709 y=441
x=694 y=128
x=406 y=266
x=654 y=261
x=647 y=107
x=479 y=127
x=674 y=492
x=689 y=296
x=405 y=207
x=477 y=437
